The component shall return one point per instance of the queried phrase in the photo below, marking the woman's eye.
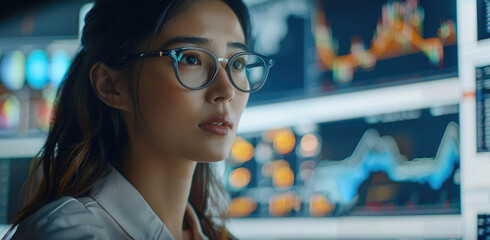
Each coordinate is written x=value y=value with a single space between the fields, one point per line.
x=239 y=65
x=190 y=59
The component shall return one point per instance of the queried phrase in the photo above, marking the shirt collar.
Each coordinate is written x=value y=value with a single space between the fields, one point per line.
x=118 y=197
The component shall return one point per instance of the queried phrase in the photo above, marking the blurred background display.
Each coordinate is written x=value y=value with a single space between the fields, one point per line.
x=30 y=75
x=364 y=44
x=330 y=46
x=396 y=163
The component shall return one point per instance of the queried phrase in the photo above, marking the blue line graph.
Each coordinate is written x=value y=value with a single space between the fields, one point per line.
x=340 y=180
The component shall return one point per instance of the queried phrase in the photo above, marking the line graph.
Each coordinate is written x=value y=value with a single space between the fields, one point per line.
x=340 y=180
x=399 y=32
x=399 y=163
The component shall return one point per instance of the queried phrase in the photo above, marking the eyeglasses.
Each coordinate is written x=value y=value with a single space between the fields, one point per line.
x=196 y=68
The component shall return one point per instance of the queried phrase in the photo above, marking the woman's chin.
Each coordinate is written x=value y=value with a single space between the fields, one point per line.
x=212 y=157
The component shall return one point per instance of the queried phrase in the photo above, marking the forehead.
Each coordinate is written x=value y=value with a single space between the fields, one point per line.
x=210 y=19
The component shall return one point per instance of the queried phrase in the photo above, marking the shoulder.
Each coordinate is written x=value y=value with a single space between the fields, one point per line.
x=65 y=218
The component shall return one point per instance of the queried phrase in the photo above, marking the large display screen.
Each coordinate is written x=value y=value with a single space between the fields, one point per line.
x=357 y=44
x=372 y=43
x=391 y=164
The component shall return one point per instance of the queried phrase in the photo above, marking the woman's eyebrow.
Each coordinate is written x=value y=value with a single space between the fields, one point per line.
x=185 y=39
x=199 y=41
x=238 y=45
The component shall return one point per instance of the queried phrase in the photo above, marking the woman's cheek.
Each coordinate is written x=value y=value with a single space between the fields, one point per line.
x=160 y=101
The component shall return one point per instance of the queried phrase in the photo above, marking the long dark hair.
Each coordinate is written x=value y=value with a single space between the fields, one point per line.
x=86 y=134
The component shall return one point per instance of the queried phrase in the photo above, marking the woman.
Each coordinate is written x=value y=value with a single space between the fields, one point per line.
x=152 y=98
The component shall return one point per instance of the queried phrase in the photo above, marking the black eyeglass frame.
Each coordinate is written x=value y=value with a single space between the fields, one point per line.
x=174 y=54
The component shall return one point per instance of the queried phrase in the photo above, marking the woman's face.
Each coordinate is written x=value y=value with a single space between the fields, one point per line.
x=182 y=122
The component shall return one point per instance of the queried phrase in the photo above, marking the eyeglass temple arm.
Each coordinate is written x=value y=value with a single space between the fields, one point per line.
x=270 y=63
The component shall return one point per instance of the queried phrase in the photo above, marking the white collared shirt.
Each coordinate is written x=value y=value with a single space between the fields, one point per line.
x=113 y=210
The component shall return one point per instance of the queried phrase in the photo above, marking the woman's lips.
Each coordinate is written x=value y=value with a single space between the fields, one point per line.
x=222 y=130
x=220 y=124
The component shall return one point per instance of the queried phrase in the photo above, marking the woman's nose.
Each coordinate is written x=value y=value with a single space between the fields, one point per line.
x=221 y=89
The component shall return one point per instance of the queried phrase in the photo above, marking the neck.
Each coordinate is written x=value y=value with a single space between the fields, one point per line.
x=163 y=181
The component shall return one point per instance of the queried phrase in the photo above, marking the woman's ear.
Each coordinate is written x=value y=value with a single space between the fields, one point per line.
x=109 y=88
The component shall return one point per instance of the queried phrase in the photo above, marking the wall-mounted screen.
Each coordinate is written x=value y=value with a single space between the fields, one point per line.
x=392 y=164
x=329 y=46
